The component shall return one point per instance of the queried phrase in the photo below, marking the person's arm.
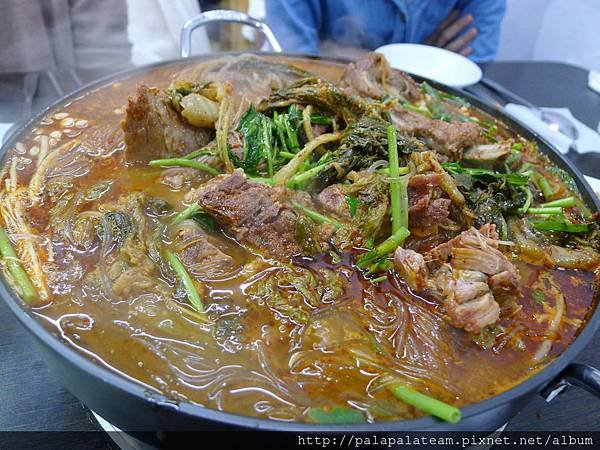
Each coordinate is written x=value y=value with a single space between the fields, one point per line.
x=296 y=24
x=487 y=17
x=471 y=29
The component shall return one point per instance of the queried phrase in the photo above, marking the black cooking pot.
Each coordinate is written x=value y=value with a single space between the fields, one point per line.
x=131 y=407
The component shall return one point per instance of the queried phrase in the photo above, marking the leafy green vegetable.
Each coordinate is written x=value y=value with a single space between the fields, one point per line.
x=434 y=105
x=305 y=289
x=306 y=234
x=323 y=95
x=515 y=179
x=565 y=177
x=337 y=414
x=364 y=142
x=512 y=161
x=373 y=200
x=538 y=296
x=423 y=111
x=286 y=155
x=352 y=203
x=263 y=180
x=257 y=130
x=492 y=203
x=287 y=125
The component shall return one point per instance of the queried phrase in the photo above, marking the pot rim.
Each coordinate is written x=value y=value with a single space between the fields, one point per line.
x=137 y=389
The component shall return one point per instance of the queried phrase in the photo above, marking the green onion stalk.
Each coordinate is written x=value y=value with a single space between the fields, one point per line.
x=544 y=185
x=290 y=169
x=286 y=155
x=401 y=171
x=337 y=414
x=299 y=179
x=563 y=203
x=380 y=279
x=186 y=280
x=385 y=248
x=185 y=214
x=545 y=211
x=21 y=280
x=262 y=180
x=394 y=183
x=200 y=152
x=426 y=403
x=183 y=162
x=317 y=217
x=528 y=200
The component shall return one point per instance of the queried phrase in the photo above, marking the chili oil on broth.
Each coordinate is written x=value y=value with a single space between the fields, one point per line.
x=254 y=361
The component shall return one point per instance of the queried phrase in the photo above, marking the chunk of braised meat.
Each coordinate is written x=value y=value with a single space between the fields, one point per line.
x=371 y=76
x=427 y=208
x=468 y=300
x=256 y=214
x=198 y=253
x=473 y=257
x=154 y=130
x=332 y=200
x=427 y=163
x=411 y=267
x=446 y=138
x=473 y=238
x=125 y=269
x=468 y=274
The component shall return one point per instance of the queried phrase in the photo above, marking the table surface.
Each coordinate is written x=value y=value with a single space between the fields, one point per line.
x=31 y=398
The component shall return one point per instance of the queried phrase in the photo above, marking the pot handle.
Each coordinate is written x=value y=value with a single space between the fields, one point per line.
x=580 y=375
x=223 y=15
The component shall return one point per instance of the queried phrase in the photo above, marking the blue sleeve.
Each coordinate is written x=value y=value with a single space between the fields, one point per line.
x=296 y=24
x=487 y=17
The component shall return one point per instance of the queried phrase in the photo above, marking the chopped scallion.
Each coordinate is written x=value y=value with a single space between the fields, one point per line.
x=426 y=403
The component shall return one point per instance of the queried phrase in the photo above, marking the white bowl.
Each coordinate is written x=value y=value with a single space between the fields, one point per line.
x=435 y=63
